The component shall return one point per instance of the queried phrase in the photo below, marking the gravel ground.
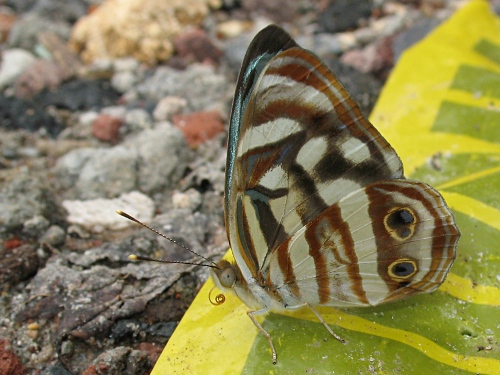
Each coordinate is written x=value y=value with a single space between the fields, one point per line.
x=135 y=117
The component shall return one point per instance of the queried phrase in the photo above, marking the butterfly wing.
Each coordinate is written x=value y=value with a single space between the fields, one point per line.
x=388 y=240
x=298 y=144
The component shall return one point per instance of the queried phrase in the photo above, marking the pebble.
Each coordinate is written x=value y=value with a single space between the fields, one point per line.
x=199 y=84
x=36 y=226
x=169 y=106
x=98 y=215
x=14 y=62
x=137 y=120
x=54 y=236
x=107 y=128
x=199 y=127
x=24 y=197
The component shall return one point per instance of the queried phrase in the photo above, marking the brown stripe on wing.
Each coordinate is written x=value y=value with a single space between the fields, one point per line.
x=318 y=235
x=244 y=237
x=307 y=69
x=286 y=267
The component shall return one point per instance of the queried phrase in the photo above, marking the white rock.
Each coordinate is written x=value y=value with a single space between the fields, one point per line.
x=14 y=62
x=98 y=215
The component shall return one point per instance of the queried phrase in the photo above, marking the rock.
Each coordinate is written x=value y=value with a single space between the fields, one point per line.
x=409 y=37
x=168 y=106
x=122 y=360
x=137 y=120
x=200 y=126
x=153 y=160
x=28 y=27
x=125 y=76
x=28 y=115
x=190 y=199
x=80 y=95
x=363 y=87
x=108 y=172
x=35 y=226
x=10 y=363
x=374 y=58
x=98 y=215
x=196 y=46
x=107 y=128
x=138 y=28
x=22 y=197
x=199 y=84
x=69 y=166
x=42 y=74
x=123 y=81
x=342 y=15
x=54 y=236
x=17 y=264
x=7 y=20
x=162 y=157
x=279 y=10
x=232 y=28
x=60 y=10
x=14 y=62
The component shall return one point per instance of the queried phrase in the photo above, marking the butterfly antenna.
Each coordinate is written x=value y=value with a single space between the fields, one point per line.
x=140 y=257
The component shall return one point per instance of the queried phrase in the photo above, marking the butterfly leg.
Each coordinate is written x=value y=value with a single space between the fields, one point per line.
x=263 y=331
x=320 y=318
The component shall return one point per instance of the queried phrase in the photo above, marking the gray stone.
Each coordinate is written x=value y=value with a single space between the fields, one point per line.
x=199 y=84
x=69 y=166
x=29 y=26
x=22 y=198
x=162 y=157
x=137 y=120
x=54 y=236
x=107 y=173
x=36 y=226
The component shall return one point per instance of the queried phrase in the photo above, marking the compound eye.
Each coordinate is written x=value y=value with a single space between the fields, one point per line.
x=227 y=278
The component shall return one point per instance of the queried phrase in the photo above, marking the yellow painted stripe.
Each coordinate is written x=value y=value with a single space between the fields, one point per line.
x=466 y=290
x=470 y=177
x=422 y=344
x=473 y=208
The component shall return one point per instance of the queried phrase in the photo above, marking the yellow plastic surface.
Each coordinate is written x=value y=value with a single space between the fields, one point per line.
x=441 y=103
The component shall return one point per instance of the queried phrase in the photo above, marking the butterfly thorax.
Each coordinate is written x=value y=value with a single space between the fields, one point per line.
x=256 y=294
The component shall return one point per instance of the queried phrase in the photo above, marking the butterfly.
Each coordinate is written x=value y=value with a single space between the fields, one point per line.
x=317 y=209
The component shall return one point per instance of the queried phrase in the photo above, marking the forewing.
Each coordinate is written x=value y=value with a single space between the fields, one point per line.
x=302 y=144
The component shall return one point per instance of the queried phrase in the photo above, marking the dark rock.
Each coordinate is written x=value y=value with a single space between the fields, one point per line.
x=412 y=35
x=80 y=95
x=17 y=264
x=18 y=114
x=362 y=87
x=342 y=15
x=56 y=370
x=60 y=10
x=162 y=329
